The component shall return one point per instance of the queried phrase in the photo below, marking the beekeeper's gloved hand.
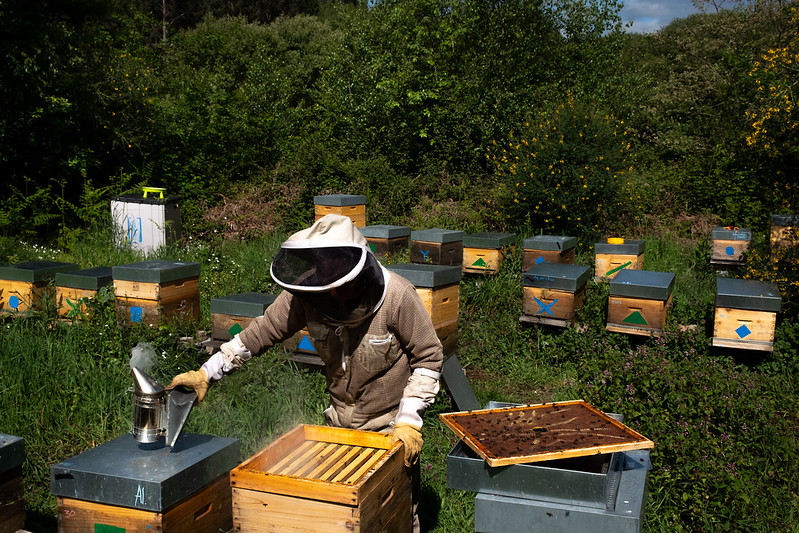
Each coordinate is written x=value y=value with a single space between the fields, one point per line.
x=194 y=379
x=231 y=354
x=411 y=437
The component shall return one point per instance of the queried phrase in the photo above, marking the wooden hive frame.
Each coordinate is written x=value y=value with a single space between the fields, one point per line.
x=627 y=439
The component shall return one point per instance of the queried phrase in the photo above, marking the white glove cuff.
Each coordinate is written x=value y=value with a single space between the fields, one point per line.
x=410 y=412
x=213 y=367
x=231 y=355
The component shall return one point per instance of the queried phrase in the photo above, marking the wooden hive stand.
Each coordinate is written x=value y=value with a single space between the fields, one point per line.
x=638 y=302
x=151 y=292
x=483 y=252
x=746 y=314
x=24 y=286
x=548 y=249
x=352 y=206
x=614 y=255
x=553 y=293
x=75 y=288
x=326 y=480
x=729 y=246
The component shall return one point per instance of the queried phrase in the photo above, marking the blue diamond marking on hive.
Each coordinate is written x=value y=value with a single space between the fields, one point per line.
x=306 y=344
x=743 y=331
x=540 y=260
x=730 y=250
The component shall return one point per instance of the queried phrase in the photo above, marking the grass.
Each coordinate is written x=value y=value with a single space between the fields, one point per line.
x=725 y=423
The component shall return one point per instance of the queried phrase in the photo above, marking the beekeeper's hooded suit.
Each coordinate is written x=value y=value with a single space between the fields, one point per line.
x=381 y=353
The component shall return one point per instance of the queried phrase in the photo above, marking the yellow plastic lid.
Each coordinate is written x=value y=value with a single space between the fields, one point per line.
x=615 y=240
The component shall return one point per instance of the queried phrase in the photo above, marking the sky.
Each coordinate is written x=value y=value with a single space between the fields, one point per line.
x=648 y=16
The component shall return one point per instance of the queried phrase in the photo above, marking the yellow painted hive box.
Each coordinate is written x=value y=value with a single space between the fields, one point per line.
x=352 y=206
x=326 y=480
x=746 y=314
x=150 y=292
x=638 y=302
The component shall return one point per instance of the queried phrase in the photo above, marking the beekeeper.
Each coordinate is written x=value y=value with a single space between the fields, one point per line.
x=381 y=353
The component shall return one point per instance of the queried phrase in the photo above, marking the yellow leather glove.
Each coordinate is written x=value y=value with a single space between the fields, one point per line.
x=195 y=379
x=411 y=437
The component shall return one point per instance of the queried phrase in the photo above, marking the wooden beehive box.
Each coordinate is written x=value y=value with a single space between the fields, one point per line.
x=638 y=302
x=483 y=252
x=385 y=239
x=150 y=292
x=553 y=293
x=12 y=501
x=437 y=247
x=23 y=286
x=784 y=236
x=613 y=257
x=124 y=486
x=326 y=480
x=438 y=286
x=352 y=206
x=729 y=245
x=548 y=249
x=746 y=314
x=74 y=288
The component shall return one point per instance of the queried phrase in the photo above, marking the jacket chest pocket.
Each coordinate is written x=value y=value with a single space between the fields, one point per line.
x=321 y=335
x=377 y=352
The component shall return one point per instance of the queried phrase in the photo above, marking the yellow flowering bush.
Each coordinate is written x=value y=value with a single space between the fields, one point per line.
x=565 y=170
x=775 y=116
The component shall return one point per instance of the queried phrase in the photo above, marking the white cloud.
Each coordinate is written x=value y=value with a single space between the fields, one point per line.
x=651 y=16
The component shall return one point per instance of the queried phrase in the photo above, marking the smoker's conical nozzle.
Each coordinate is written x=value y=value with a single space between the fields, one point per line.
x=145 y=384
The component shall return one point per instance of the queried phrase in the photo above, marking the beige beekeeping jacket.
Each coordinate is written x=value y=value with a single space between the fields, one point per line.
x=381 y=372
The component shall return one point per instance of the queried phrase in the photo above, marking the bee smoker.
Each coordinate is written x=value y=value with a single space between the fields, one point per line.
x=157 y=414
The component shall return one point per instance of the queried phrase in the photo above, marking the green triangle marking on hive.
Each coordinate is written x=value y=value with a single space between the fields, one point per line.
x=480 y=263
x=635 y=318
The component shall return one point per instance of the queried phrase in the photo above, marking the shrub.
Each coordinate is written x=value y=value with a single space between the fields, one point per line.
x=564 y=168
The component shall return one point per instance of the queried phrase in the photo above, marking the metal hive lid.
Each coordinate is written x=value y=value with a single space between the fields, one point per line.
x=557 y=276
x=249 y=304
x=747 y=294
x=642 y=284
x=550 y=243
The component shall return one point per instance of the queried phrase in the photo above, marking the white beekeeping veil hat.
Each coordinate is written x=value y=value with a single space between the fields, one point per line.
x=331 y=266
